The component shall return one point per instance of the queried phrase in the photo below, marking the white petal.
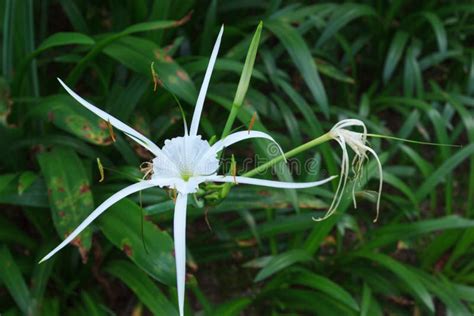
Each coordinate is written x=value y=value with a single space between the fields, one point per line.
x=205 y=84
x=133 y=134
x=347 y=123
x=342 y=181
x=235 y=138
x=270 y=183
x=99 y=210
x=380 y=179
x=179 y=232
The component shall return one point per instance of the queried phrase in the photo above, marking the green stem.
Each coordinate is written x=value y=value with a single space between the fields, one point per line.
x=295 y=151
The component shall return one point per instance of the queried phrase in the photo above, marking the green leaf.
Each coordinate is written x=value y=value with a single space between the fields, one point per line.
x=107 y=40
x=343 y=16
x=412 y=78
x=394 y=232
x=244 y=81
x=199 y=65
x=331 y=71
x=64 y=112
x=26 y=179
x=282 y=261
x=91 y=306
x=439 y=174
x=74 y=15
x=64 y=39
x=394 y=54
x=150 y=26
x=438 y=29
x=311 y=302
x=366 y=299
x=9 y=232
x=138 y=54
x=233 y=307
x=121 y=224
x=35 y=195
x=40 y=276
x=409 y=278
x=301 y=56
x=11 y=277
x=69 y=193
x=325 y=285
x=147 y=292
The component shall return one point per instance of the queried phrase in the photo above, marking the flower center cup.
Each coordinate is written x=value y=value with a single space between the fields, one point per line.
x=185 y=157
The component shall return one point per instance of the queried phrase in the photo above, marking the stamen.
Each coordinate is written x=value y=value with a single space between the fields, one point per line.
x=156 y=79
x=233 y=169
x=252 y=121
x=111 y=131
x=207 y=219
x=146 y=168
x=101 y=170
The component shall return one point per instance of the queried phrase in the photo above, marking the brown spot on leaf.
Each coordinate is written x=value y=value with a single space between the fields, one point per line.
x=60 y=189
x=107 y=141
x=50 y=116
x=103 y=125
x=182 y=75
x=127 y=249
x=168 y=59
x=86 y=127
x=61 y=214
x=264 y=193
x=84 y=188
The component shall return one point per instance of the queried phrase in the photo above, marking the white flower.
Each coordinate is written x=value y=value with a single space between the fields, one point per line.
x=357 y=142
x=182 y=164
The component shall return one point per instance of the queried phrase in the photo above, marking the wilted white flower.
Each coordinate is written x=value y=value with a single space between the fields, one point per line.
x=182 y=164
x=358 y=143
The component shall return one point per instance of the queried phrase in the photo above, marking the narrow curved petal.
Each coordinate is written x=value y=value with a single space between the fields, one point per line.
x=237 y=137
x=379 y=164
x=270 y=183
x=142 y=185
x=179 y=232
x=342 y=181
x=204 y=86
x=132 y=133
x=349 y=122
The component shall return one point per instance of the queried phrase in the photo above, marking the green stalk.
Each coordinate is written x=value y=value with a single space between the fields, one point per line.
x=243 y=82
x=295 y=151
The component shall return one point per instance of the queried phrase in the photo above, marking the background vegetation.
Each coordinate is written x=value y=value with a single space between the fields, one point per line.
x=405 y=68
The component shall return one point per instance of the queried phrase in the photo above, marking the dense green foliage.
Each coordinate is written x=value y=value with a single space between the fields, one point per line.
x=405 y=68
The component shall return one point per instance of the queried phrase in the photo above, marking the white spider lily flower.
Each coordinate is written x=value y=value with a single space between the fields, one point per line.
x=181 y=164
x=358 y=143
